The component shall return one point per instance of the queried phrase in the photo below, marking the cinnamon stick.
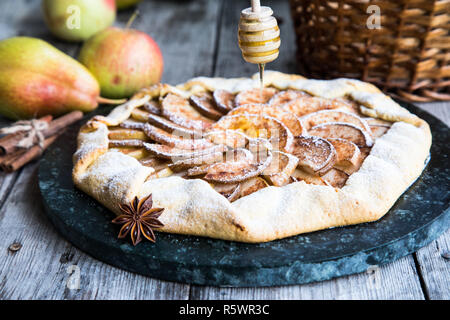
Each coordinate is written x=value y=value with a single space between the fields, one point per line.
x=8 y=143
x=19 y=159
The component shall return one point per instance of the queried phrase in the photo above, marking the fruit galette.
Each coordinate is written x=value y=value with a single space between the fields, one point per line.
x=227 y=159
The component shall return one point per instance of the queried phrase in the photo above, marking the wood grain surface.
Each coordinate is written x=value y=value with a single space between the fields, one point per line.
x=196 y=38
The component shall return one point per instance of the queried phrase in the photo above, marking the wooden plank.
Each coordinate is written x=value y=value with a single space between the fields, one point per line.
x=43 y=266
x=185 y=32
x=434 y=268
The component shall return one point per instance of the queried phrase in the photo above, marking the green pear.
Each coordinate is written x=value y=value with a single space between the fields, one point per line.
x=78 y=20
x=122 y=60
x=123 y=4
x=37 y=79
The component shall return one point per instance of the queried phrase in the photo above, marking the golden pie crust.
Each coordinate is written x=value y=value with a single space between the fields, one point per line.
x=193 y=207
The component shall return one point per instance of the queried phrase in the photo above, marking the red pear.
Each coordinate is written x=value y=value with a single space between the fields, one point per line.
x=37 y=79
x=123 y=61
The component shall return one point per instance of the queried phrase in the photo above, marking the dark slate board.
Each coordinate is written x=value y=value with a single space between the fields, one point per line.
x=418 y=217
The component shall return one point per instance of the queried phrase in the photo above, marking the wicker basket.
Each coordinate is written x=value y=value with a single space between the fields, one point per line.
x=409 y=55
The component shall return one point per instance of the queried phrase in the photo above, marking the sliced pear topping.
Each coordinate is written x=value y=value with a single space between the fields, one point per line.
x=377 y=130
x=130 y=143
x=251 y=186
x=230 y=138
x=335 y=177
x=325 y=116
x=201 y=160
x=307 y=104
x=346 y=131
x=309 y=178
x=231 y=191
x=126 y=134
x=283 y=97
x=348 y=155
x=171 y=127
x=315 y=155
x=224 y=100
x=205 y=105
x=290 y=120
x=255 y=96
x=167 y=152
x=153 y=107
x=280 y=168
x=154 y=162
x=258 y=126
x=179 y=110
x=171 y=140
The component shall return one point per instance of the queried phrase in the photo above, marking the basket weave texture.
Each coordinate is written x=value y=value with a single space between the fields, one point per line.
x=408 y=55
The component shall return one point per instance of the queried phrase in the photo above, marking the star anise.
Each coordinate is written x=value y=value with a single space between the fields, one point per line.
x=139 y=219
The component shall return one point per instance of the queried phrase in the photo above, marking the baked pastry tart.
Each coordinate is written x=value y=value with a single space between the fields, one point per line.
x=229 y=160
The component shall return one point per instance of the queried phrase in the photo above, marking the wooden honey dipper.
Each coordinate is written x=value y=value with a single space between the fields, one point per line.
x=259 y=35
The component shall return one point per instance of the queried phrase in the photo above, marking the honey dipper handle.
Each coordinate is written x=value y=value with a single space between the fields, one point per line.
x=256 y=6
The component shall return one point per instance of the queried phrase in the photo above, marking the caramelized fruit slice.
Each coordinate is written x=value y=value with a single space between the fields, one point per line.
x=304 y=105
x=205 y=105
x=126 y=134
x=201 y=160
x=132 y=124
x=335 y=178
x=171 y=140
x=348 y=155
x=346 y=131
x=280 y=168
x=154 y=162
x=167 y=152
x=130 y=143
x=179 y=111
x=325 y=116
x=283 y=97
x=224 y=100
x=255 y=96
x=230 y=191
x=171 y=127
x=258 y=126
x=310 y=178
x=315 y=155
x=290 y=120
x=230 y=138
x=377 y=131
x=252 y=185
x=153 y=107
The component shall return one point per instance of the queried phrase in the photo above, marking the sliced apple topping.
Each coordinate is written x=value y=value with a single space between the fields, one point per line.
x=179 y=110
x=346 y=131
x=172 y=140
x=280 y=168
x=230 y=138
x=315 y=155
x=324 y=116
x=155 y=163
x=132 y=124
x=258 y=126
x=224 y=100
x=307 y=177
x=290 y=120
x=348 y=156
x=256 y=95
x=284 y=97
x=205 y=105
x=335 y=178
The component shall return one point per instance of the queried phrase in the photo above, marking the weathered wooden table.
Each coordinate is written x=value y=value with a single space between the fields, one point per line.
x=197 y=38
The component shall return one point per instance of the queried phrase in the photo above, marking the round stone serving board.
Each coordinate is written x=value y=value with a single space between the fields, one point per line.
x=417 y=218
